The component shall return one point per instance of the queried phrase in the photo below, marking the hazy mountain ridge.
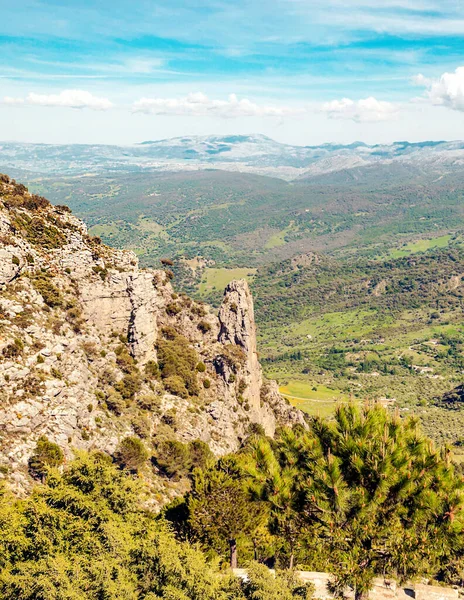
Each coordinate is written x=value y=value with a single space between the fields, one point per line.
x=250 y=153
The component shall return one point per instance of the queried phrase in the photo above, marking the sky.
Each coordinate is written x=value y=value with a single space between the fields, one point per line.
x=300 y=71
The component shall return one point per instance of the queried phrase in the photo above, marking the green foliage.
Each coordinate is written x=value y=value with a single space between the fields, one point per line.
x=151 y=370
x=46 y=455
x=177 y=361
x=262 y=585
x=369 y=488
x=131 y=453
x=39 y=231
x=177 y=459
x=176 y=385
x=43 y=284
x=204 y=326
x=14 y=349
x=129 y=385
x=116 y=403
x=85 y=536
x=218 y=508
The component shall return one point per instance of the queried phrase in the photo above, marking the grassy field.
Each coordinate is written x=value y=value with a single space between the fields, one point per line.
x=314 y=399
x=421 y=246
x=217 y=279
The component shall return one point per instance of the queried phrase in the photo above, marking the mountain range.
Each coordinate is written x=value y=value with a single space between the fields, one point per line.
x=247 y=153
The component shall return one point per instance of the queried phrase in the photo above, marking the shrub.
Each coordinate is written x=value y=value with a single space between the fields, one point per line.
x=204 y=326
x=151 y=370
x=172 y=458
x=116 y=403
x=62 y=208
x=38 y=232
x=142 y=426
x=201 y=367
x=129 y=385
x=131 y=454
x=149 y=402
x=125 y=361
x=173 y=309
x=177 y=359
x=168 y=332
x=200 y=454
x=176 y=386
x=14 y=349
x=15 y=260
x=46 y=455
x=44 y=285
x=206 y=384
x=56 y=373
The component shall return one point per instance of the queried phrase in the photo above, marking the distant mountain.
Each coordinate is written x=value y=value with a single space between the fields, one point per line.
x=248 y=153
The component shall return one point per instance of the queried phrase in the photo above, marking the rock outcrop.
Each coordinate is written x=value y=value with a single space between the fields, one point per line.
x=237 y=320
x=84 y=336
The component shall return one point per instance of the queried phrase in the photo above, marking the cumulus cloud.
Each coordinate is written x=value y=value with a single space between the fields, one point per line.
x=198 y=104
x=368 y=110
x=70 y=99
x=66 y=98
x=12 y=101
x=448 y=90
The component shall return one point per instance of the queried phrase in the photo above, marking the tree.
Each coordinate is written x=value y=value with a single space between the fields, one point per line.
x=131 y=453
x=46 y=455
x=276 y=484
x=219 y=509
x=371 y=490
x=86 y=535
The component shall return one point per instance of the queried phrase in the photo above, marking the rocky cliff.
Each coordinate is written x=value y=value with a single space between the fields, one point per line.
x=93 y=349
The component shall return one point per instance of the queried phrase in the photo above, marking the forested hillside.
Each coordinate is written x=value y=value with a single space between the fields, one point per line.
x=244 y=220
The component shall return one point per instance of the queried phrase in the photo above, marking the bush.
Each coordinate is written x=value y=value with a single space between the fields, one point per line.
x=131 y=454
x=116 y=403
x=14 y=349
x=200 y=454
x=142 y=426
x=44 y=285
x=206 y=384
x=149 y=402
x=262 y=585
x=201 y=367
x=172 y=458
x=204 y=326
x=129 y=385
x=173 y=309
x=176 y=459
x=176 y=385
x=151 y=370
x=46 y=455
x=177 y=359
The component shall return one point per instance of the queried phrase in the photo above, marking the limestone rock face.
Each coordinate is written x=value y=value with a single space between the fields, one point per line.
x=79 y=323
x=146 y=303
x=237 y=320
x=9 y=265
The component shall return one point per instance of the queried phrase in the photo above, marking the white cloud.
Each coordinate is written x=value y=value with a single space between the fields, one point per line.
x=368 y=110
x=448 y=90
x=70 y=99
x=142 y=65
x=198 y=104
x=12 y=101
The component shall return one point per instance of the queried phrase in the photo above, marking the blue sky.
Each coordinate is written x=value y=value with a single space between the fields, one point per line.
x=301 y=71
